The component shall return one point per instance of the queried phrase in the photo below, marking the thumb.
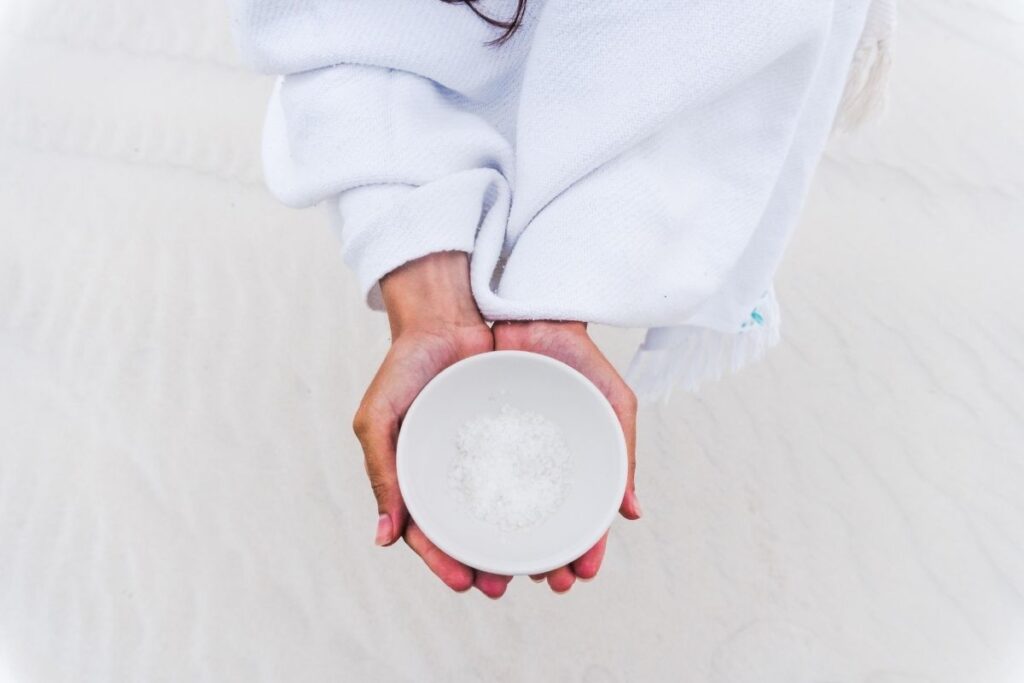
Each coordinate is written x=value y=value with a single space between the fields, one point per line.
x=624 y=401
x=377 y=432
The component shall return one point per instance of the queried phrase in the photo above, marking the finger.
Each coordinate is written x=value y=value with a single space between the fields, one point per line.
x=624 y=403
x=491 y=585
x=588 y=564
x=560 y=580
x=630 y=508
x=455 y=575
x=377 y=430
x=537 y=578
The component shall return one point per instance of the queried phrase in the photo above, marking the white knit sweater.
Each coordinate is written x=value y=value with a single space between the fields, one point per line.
x=632 y=164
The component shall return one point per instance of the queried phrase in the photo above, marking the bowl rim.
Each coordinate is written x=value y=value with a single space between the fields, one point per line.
x=572 y=552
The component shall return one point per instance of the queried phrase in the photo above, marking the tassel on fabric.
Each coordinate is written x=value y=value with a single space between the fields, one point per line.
x=685 y=356
x=866 y=93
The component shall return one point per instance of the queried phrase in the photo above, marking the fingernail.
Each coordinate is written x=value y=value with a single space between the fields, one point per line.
x=636 y=506
x=384 y=529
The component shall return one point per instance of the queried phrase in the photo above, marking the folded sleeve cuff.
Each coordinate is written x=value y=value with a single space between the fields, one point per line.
x=383 y=226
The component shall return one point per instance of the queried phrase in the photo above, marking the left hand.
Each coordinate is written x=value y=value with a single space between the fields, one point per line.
x=434 y=323
x=569 y=342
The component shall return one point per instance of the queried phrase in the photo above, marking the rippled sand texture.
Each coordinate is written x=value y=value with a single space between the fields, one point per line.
x=181 y=498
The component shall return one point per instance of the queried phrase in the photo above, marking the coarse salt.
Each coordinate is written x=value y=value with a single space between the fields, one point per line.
x=510 y=469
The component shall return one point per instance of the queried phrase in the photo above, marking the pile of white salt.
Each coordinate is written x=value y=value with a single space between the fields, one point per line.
x=511 y=469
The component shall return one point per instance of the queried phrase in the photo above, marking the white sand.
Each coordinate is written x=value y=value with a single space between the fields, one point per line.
x=181 y=497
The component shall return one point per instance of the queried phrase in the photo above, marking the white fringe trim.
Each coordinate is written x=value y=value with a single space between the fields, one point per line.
x=865 y=97
x=685 y=356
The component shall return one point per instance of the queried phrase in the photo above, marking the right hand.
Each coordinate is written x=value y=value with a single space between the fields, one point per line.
x=434 y=323
x=569 y=342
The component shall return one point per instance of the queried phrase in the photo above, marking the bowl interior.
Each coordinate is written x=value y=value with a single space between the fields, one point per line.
x=527 y=381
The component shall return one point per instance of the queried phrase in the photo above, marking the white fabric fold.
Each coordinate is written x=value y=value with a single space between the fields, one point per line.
x=383 y=226
x=624 y=164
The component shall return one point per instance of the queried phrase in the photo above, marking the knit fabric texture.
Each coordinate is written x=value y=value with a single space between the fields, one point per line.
x=630 y=164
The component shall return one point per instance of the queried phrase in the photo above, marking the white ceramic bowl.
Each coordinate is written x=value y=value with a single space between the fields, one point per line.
x=528 y=381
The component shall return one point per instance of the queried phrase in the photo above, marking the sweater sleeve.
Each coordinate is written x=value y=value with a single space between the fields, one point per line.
x=383 y=127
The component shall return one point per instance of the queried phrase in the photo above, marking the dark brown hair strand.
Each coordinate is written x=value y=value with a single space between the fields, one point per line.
x=510 y=25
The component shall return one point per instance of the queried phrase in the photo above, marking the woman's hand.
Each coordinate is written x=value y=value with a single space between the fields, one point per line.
x=569 y=342
x=434 y=323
